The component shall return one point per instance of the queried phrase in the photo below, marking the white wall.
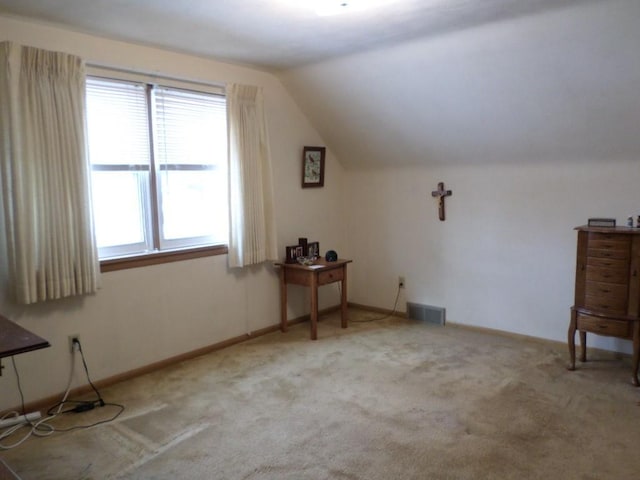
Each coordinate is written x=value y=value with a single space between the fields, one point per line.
x=558 y=85
x=144 y=315
x=532 y=122
x=504 y=258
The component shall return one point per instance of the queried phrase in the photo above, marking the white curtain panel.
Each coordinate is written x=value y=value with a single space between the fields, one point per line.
x=45 y=175
x=252 y=232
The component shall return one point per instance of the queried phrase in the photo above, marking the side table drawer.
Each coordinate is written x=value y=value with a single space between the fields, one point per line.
x=330 y=276
x=297 y=277
x=603 y=326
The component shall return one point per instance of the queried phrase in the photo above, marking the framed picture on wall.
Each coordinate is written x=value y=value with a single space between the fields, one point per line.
x=313 y=167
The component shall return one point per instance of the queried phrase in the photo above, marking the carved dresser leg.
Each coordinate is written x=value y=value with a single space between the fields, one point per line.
x=636 y=353
x=583 y=346
x=571 y=340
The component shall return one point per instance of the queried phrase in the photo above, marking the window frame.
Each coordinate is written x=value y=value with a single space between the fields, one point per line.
x=160 y=257
x=168 y=254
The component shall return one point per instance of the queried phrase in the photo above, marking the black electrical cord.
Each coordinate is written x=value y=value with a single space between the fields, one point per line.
x=89 y=425
x=11 y=430
x=15 y=369
x=85 y=405
x=390 y=314
x=86 y=371
x=42 y=427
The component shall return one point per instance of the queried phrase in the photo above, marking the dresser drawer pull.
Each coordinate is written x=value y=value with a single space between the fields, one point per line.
x=602 y=327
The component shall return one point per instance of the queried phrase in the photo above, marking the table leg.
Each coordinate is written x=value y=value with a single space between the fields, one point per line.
x=283 y=301
x=314 y=306
x=636 y=353
x=343 y=300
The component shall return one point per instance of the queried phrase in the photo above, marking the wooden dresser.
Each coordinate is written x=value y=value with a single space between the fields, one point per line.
x=607 y=291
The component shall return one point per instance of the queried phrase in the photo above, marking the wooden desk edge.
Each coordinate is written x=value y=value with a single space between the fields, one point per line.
x=15 y=339
x=324 y=263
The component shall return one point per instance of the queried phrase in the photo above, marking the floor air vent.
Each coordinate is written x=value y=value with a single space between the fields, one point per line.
x=426 y=313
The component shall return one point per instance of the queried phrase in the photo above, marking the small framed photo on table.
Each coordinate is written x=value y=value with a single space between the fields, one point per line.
x=293 y=252
x=314 y=249
x=313 y=167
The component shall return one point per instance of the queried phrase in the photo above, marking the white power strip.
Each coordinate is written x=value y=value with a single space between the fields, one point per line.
x=11 y=421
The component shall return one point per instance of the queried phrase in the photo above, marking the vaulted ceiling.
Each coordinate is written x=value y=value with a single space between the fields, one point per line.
x=270 y=33
x=415 y=81
x=559 y=86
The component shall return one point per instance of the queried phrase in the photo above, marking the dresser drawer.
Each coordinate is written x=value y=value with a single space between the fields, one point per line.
x=330 y=276
x=621 y=253
x=604 y=304
x=607 y=275
x=603 y=326
x=609 y=290
x=597 y=237
x=608 y=262
x=604 y=245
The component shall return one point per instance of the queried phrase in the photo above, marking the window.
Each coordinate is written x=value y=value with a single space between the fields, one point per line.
x=159 y=167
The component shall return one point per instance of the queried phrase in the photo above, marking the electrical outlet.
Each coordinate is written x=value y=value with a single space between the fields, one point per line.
x=401 y=282
x=72 y=346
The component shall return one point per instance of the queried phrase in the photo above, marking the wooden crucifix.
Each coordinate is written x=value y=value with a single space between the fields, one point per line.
x=441 y=193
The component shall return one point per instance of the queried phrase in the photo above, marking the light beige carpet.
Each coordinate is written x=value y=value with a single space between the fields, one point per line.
x=390 y=399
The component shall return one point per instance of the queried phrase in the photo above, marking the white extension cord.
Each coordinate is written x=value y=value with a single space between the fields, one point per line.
x=11 y=421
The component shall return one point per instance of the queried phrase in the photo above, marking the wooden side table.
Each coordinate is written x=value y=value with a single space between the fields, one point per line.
x=312 y=276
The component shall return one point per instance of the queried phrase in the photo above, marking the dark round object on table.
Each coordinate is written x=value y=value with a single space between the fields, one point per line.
x=331 y=256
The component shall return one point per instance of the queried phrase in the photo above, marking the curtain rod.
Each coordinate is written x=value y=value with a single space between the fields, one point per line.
x=153 y=75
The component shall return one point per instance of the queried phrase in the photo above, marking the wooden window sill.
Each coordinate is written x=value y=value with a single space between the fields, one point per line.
x=157 y=258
